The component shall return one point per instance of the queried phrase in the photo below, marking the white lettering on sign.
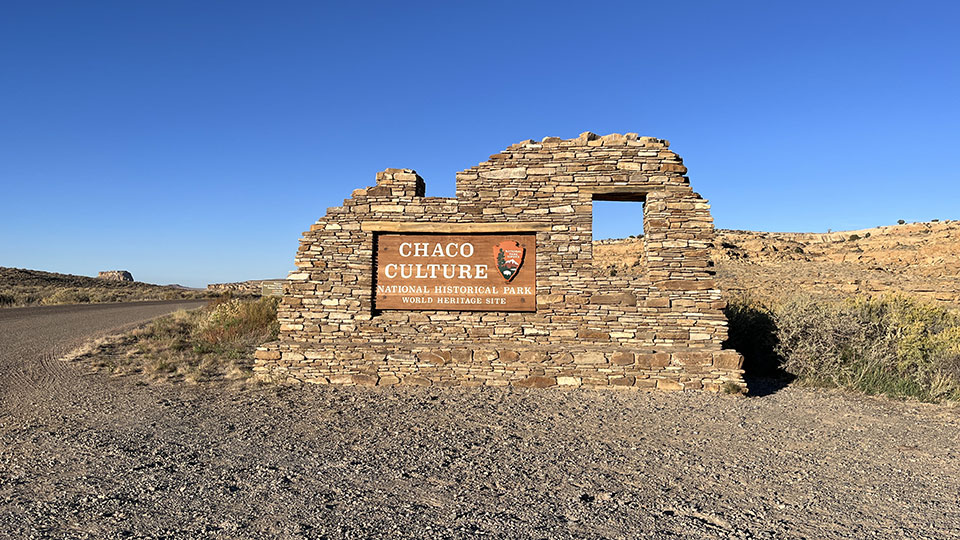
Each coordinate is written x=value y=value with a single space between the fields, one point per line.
x=435 y=271
x=420 y=249
x=430 y=271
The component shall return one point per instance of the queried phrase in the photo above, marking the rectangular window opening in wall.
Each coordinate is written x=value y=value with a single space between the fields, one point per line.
x=618 y=235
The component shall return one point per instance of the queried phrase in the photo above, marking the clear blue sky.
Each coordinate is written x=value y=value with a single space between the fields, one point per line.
x=193 y=142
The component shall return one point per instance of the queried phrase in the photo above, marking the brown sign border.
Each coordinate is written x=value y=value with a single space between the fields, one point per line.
x=529 y=264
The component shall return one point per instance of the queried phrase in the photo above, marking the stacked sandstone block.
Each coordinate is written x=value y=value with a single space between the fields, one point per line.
x=662 y=329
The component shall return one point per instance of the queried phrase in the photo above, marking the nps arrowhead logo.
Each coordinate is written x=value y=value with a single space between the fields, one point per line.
x=509 y=256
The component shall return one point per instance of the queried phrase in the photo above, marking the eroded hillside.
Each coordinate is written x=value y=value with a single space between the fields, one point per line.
x=922 y=259
x=21 y=287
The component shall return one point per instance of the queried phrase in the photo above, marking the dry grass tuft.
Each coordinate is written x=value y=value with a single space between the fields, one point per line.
x=215 y=342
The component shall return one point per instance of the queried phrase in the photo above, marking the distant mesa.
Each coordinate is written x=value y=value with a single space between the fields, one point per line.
x=115 y=275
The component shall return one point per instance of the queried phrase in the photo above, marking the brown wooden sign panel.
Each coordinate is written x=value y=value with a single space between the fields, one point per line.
x=456 y=272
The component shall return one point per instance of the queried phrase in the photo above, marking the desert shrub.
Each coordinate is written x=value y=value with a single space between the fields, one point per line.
x=173 y=295
x=731 y=388
x=900 y=222
x=173 y=333
x=105 y=295
x=67 y=296
x=7 y=299
x=893 y=345
x=854 y=237
x=235 y=325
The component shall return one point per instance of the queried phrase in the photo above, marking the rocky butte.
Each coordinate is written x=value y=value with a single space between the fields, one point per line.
x=115 y=275
x=496 y=285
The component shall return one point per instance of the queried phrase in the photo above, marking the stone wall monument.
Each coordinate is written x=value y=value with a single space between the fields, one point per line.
x=496 y=285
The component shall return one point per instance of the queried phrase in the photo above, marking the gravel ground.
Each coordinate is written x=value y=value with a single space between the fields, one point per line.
x=85 y=455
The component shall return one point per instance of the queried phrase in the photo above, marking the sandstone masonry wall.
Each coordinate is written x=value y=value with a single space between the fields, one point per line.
x=662 y=329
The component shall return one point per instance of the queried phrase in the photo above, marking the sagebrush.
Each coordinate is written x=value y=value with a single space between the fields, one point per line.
x=894 y=345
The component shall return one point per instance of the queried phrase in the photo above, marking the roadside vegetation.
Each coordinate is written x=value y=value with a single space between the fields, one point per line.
x=215 y=342
x=893 y=345
x=19 y=287
x=49 y=296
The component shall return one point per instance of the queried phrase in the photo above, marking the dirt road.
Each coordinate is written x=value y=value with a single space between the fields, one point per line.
x=32 y=338
x=89 y=456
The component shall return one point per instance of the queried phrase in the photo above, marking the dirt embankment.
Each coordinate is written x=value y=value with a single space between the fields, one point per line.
x=922 y=259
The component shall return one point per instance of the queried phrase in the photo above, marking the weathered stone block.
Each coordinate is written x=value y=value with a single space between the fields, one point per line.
x=365 y=380
x=340 y=379
x=267 y=355
x=484 y=356
x=509 y=356
x=673 y=167
x=534 y=357
x=627 y=299
x=461 y=356
x=686 y=285
x=728 y=360
x=537 y=382
x=506 y=173
x=653 y=360
x=436 y=357
x=589 y=358
x=587 y=333
x=693 y=358
x=668 y=385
